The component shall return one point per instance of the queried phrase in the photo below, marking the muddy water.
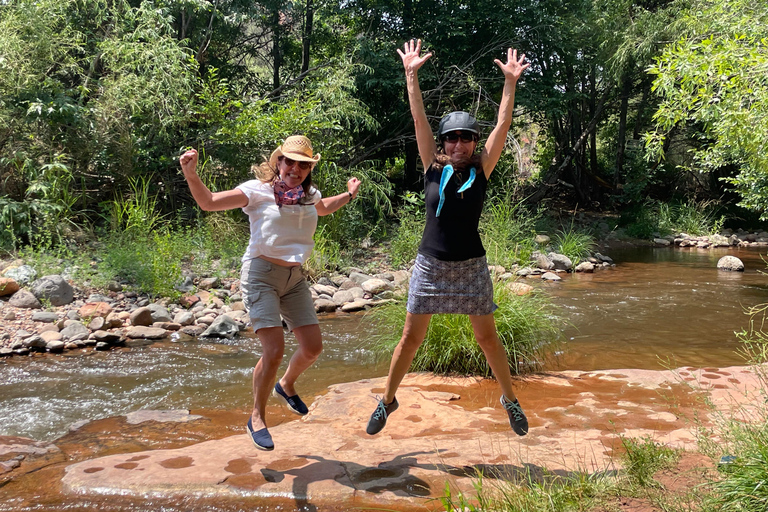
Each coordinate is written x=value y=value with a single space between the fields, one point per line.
x=658 y=308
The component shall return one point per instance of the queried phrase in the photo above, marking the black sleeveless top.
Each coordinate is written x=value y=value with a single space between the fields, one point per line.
x=453 y=236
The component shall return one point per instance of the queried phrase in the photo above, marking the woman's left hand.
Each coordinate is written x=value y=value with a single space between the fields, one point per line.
x=514 y=67
x=352 y=185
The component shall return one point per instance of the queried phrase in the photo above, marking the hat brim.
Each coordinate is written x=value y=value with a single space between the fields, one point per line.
x=299 y=157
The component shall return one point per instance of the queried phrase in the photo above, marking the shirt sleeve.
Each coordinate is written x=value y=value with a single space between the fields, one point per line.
x=256 y=191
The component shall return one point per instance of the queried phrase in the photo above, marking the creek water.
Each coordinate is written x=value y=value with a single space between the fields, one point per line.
x=658 y=308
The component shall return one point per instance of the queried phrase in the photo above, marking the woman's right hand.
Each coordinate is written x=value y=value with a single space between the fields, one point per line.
x=412 y=60
x=188 y=161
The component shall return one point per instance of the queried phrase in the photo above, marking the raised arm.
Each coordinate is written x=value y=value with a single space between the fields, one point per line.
x=412 y=61
x=512 y=70
x=328 y=205
x=205 y=199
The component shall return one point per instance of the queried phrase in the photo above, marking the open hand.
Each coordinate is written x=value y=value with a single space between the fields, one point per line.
x=514 y=67
x=188 y=160
x=412 y=60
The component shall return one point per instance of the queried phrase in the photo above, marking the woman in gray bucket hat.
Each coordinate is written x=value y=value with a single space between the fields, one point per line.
x=451 y=272
x=282 y=205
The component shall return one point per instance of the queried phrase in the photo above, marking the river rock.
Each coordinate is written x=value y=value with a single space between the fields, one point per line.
x=53 y=288
x=560 y=261
x=603 y=259
x=730 y=263
x=74 y=330
x=105 y=336
x=359 y=277
x=8 y=286
x=143 y=332
x=325 y=306
x=35 y=342
x=55 y=346
x=222 y=327
x=184 y=318
x=24 y=299
x=661 y=241
x=549 y=276
x=93 y=309
x=207 y=283
x=49 y=336
x=375 y=286
x=519 y=288
x=46 y=317
x=23 y=274
x=159 y=313
x=356 y=305
x=96 y=323
x=586 y=267
x=324 y=289
x=141 y=317
x=542 y=261
x=541 y=239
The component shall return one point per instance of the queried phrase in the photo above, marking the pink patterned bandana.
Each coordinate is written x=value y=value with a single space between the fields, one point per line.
x=285 y=195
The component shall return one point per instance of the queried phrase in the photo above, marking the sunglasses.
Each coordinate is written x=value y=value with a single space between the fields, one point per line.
x=290 y=161
x=455 y=136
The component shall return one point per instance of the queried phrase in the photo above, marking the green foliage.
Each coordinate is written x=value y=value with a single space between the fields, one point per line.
x=642 y=458
x=526 y=326
x=577 y=245
x=137 y=214
x=575 y=492
x=653 y=218
x=507 y=229
x=714 y=79
x=407 y=237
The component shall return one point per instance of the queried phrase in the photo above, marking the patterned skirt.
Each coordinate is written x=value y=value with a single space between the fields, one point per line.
x=458 y=287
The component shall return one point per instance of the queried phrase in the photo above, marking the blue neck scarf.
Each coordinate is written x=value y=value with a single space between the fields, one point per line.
x=446 y=176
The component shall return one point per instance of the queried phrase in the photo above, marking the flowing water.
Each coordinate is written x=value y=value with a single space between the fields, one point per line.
x=657 y=308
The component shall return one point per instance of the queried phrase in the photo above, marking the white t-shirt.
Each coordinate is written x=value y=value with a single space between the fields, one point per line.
x=284 y=232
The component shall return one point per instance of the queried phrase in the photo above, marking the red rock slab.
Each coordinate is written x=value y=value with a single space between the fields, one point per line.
x=447 y=430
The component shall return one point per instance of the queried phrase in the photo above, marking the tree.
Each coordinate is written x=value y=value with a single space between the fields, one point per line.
x=714 y=79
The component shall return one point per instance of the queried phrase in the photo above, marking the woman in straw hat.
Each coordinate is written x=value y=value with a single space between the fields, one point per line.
x=282 y=205
x=451 y=272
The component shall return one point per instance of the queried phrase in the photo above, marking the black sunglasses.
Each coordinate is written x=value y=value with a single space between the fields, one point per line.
x=303 y=165
x=466 y=137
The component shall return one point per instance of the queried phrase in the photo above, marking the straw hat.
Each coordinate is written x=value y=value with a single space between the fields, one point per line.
x=295 y=147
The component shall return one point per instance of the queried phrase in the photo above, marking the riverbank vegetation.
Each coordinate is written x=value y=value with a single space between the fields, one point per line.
x=527 y=326
x=634 y=107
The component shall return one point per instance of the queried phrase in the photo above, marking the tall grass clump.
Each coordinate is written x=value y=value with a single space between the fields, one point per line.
x=575 y=492
x=577 y=245
x=507 y=229
x=655 y=218
x=412 y=217
x=644 y=457
x=526 y=326
x=742 y=485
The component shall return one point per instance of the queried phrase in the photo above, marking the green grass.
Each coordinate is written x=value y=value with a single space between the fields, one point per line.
x=526 y=326
x=656 y=218
x=577 y=245
x=507 y=229
x=643 y=457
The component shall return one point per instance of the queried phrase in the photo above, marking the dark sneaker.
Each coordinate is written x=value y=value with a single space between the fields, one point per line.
x=261 y=438
x=380 y=415
x=517 y=419
x=294 y=403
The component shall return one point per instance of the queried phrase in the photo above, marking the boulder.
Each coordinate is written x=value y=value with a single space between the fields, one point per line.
x=141 y=316
x=23 y=274
x=730 y=263
x=24 y=299
x=53 y=288
x=375 y=286
x=93 y=309
x=222 y=327
x=8 y=286
x=560 y=261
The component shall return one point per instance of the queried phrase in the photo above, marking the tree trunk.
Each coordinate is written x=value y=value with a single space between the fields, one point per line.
x=621 y=141
x=276 y=49
x=307 y=37
x=592 y=136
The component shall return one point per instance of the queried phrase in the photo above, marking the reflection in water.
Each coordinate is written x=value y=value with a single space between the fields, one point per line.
x=658 y=307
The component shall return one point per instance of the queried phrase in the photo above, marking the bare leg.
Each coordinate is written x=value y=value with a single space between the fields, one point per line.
x=413 y=336
x=310 y=345
x=272 y=348
x=484 y=327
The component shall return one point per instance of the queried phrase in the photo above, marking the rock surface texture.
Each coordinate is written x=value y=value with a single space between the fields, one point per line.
x=447 y=430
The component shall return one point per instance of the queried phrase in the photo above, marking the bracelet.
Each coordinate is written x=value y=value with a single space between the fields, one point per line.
x=350 y=195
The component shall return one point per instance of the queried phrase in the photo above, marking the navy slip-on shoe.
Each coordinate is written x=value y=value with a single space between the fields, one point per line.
x=294 y=403
x=261 y=438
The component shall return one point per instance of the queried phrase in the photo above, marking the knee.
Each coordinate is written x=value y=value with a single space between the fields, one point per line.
x=488 y=342
x=410 y=342
x=272 y=356
x=313 y=350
